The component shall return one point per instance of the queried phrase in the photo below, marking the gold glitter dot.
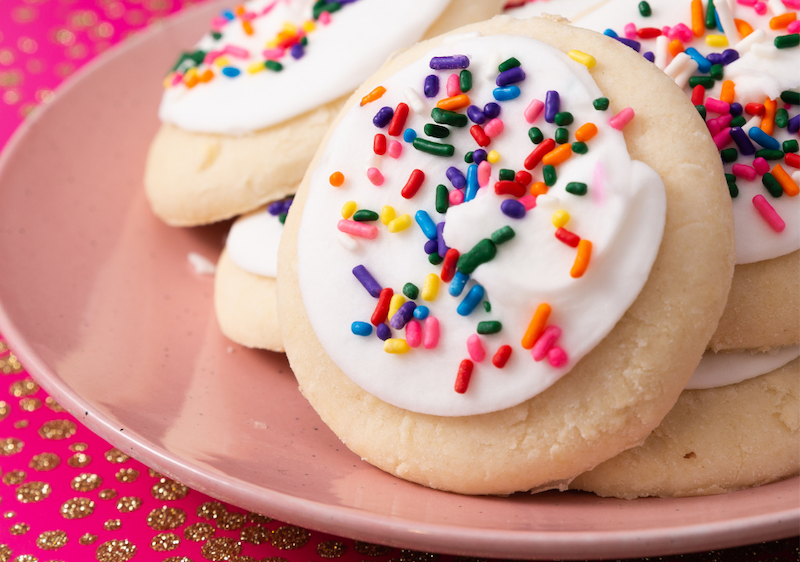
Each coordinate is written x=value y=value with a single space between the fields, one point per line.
x=115 y=456
x=127 y=475
x=169 y=490
x=166 y=518
x=6 y=57
x=25 y=558
x=232 y=521
x=44 y=95
x=86 y=482
x=33 y=492
x=64 y=36
x=4 y=410
x=254 y=535
x=27 y=45
x=21 y=424
x=259 y=519
x=164 y=542
x=25 y=387
x=44 y=462
x=274 y=559
x=56 y=407
x=115 y=551
x=77 y=508
x=178 y=559
x=331 y=549
x=9 y=514
x=30 y=404
x=24 y=14
x=52 y=540
x=104 y=30
x=5 y=553
x=87 y=539
x=3 y=344
x=107 y=494
x=10 y=446
x=369 y=549
x=211 y=510
x=10 y=365
x=289 y=537
x=112 y=525
x=78 y=447
x=416 y=556
x=199 y=532
x=242 y=559
x=19 y=529
x=127 y=504
x=221 y=548
x=57 y=430
x=79 y=460
x=14 y=477
x=154 y=474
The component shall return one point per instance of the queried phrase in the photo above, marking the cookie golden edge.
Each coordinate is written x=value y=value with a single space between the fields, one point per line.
x=617 y=394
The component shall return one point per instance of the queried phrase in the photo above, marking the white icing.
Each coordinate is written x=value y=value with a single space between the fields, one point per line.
x=339 y=56
x=253 y=242
x=570 y=9
x=760 y=72
x=721 y=369
x=201 y=264
x=625 y=227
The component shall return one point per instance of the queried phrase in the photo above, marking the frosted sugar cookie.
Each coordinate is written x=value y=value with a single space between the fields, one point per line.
x=243 y=112
x=512 y=289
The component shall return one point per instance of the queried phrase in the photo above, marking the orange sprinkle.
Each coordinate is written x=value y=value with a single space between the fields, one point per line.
x=675 y=47
x=454 y=103
x=207 y=75
x=247 y=26
x=558 y=155
x=582 y=259
x=743 y=27
x=373 y=95
x=698 y=23
x=785 y=181
x=538 y=188
x=239 y=10
x=337 y=179
x=728 y=92
x=768 y=121
x=192 y=81
x=536 y=327
x=586 y=132
x=782 y=21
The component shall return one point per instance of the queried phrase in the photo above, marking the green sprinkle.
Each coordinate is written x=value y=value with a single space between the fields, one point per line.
x=197 y=56
x=304 y=41
x=435 y=148
x=365 y=215
x=507 y=175
x=535 y=135
x=729 y=155
x=563 y=118
x=465 y=80
x=489 y=327
x=790 y=146
x=705 y=81
x=446 y=117
x=482 y=252
x=717 y=72
x=787 y=41
x=411 y=291
x=576 y=188
x=282 y=218
x=436 y=131
x=738 y=121
x=442 y=198
x=562 y=135
x=502 y=235
x=508 y=64
x=781 y=118
x=711 y=15
x=468 y=157
x=216 y=35
x=273 y=65
x=701 y=109
x=791 y=97
x=325 y=7
x=550 y=176
x=767 y=154
x=772 y=185
x=733 y=189
x=487 y=306
x=580 y=148
x=600 y=104
x=644 y=9
x=435 y=258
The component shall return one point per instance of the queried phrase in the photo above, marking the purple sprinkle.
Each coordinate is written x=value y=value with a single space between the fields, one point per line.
x=297 y=51
x=456 y=177
x=449 y=63
x=275 y=208
x=729 y=55
x=440 y=239
x=552 y=105
x=513 y=208
x=510 y=76
x=403 y=315
x=736 y=109
x=384 y=332
x=431 y=86
x=476 y=115
x=635 y=45
x=367 y=280
x=714 y=58
x=650 y=56
x=794 y=124
x=431 y=246
x=740 y=138
x=383 y=117
x=491 y=110
x=479 y=156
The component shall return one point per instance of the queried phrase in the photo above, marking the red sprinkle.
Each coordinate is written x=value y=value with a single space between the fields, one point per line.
x=792 y=159
x=507 y=187
x=648 y=32
x=398 y=120
x=567 y=237
x=413 y=184
x=501 y=357
x=480 y=137
x=524 y=178
x=449 y=265
x=538 y=153
x=698 y=95
x=464 y=374
x=379 y=144
x=755 y=109
x=382 y=308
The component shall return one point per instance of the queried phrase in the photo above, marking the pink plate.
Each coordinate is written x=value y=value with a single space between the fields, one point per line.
x=101 y=304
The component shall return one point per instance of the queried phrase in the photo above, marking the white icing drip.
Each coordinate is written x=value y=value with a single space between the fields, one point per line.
x=532 y=268
x=253 y=241
x=338 y=58
x=721 y=369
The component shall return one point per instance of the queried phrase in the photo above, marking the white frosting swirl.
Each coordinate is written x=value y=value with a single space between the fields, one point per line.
x=253 y=241
x=625 y=226
x=339 y=56
x=721 y=369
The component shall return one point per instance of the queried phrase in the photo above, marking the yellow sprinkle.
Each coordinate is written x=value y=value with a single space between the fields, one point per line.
x=493 y=157
x=256 y=67
x=285 y=35
x=221 y=61
x=394 y=305
x=560 y=218
x=309 y=26
x=191 y=73
x=271 y=44
x=348 y=209
x=168 y=80
x=290 y=28
x=400 y=223
x=431 y=287
x=395 y=345
x=579 y=56
x=387 y=214
x=716 y=41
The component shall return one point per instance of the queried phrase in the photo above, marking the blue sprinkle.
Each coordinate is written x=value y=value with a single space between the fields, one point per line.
x=765 y=140
x=506 y=93
x=297 y=51
x=361 y=328
x=383 y=117
x=472 y=182
x=426 y=224
x=476 y=115
x=409 y=135
x=513 y=208
x=719 y=25
x=421 y=312
x=431 y=86
x=611 y=33
x=491 y=110
x=650 y=56
x=472 y=300
x=231 y=71
x=458 y=283
x=703 y=64
x=228 y=15
x=384 y=332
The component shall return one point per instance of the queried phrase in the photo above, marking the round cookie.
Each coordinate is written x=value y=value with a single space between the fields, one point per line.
x=243 y=137
x=622 y=388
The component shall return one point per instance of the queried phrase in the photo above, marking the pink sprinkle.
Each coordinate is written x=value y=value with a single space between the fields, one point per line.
x=761 y=165
x=177 y=79
x=794 y=27
x=235 y=51
x=484 y=173
x=325 y=18
x=716 y=125
x=268 y=9
x=211 y=56
x=792 y=4
x=599 y=184
x=533 y=110
x=769 y=214
x=395 y=149
x=475 y=348
x=545 y=342
x=557 y=357
x=761 y=8
x=746 y=2
x=621 y=119
x=682 y=33
x=717 y=106
x=274 y=54
x=249 y=16
x=456 y=197
x=665 y=30
x=723 y=138
x=413 y=333
x=630 y=30
x=374 y=174
x=453 y=86
x=529 y=201
x=361 y=229
x=744 y=171
x=218 y=23
x=493 y=127
x=431 y=339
